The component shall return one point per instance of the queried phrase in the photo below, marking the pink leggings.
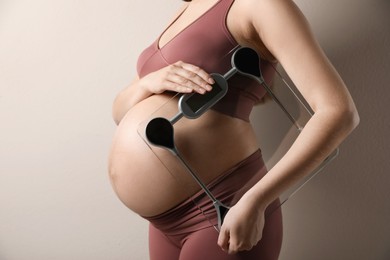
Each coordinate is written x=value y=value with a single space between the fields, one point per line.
x=187 y=231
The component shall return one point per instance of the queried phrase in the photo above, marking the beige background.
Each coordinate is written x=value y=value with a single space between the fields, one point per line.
x=61 y=64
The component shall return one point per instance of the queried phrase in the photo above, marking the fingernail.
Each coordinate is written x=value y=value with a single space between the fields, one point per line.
x=208 y=87
x=211 y=81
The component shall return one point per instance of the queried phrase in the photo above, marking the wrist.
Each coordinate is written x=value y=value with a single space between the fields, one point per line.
x=143 y=89
x=257 y=199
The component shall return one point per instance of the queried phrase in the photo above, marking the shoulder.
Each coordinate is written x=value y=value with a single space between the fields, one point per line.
x=263 y=8
x=255 y=18
x=267 y=22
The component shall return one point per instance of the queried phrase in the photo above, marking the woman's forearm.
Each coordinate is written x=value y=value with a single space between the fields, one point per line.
x=322 y=134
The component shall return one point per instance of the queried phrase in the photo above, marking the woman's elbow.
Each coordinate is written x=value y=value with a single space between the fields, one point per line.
x=116 y=111
x=116 y=119
x=349 y=117
x=355 y=118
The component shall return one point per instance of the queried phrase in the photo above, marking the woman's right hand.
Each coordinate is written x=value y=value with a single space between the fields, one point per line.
x=179 y=77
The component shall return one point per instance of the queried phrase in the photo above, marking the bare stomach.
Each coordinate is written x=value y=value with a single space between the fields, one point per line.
x=150 y=180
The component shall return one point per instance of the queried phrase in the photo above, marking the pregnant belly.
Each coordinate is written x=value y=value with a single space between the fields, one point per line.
x=150 y=180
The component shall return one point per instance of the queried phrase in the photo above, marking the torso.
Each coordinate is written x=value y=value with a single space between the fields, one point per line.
x=212 y=144
x=150 y=182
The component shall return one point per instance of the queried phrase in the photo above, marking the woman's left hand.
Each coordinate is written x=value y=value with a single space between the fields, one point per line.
x=242 y=227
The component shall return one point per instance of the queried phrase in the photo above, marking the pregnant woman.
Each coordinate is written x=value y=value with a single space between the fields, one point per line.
x=221 y=144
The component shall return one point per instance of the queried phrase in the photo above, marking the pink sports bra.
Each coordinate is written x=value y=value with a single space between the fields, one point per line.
x=207 y=43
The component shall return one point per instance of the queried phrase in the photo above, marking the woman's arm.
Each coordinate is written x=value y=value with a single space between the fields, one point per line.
x=127 y=98
x=284 y=31
x=179 y=77
x=286 y=34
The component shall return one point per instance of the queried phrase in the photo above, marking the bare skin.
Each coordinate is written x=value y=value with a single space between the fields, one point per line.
x=276 y=29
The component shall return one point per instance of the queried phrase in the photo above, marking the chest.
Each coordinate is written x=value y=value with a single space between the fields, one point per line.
x=200 y=38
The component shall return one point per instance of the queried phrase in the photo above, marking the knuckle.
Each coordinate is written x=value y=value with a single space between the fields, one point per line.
x=179 y=88
x=179 y=63
x=191 y=74
x=196 y=69
x=171 y=68
x=246 y=247
x=167 y=74
x=183 y=80
x=233 y=251
x=242 y=246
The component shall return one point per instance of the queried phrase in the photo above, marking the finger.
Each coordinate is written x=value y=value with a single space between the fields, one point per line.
x=238 y=243
x=201 y=73
x=245 y=247
x=188 y=79
x=233 y=245
x=196 y=74
x=223 y=240
x=176 y=87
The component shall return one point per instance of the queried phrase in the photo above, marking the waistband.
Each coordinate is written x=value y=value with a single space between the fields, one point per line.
x=198 y=212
